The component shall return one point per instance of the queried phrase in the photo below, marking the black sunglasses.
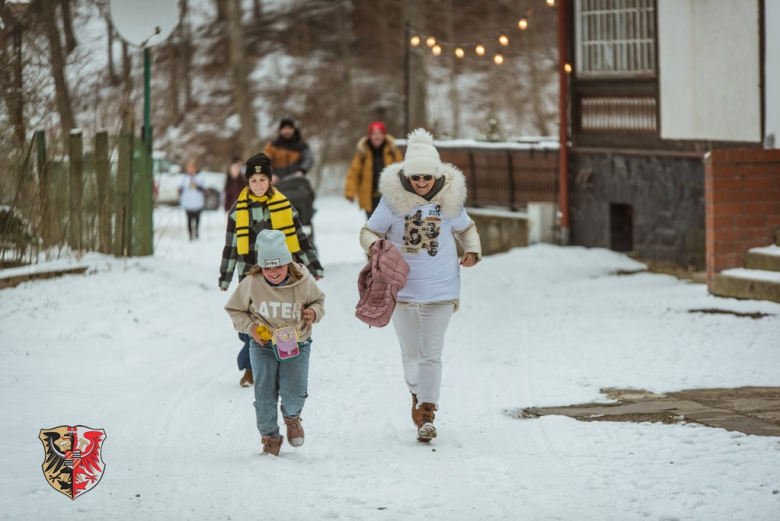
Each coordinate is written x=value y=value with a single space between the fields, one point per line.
x=416 y=177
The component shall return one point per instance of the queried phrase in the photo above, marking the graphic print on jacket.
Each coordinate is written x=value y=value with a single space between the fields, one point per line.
x=279 y=310
x=421 y=231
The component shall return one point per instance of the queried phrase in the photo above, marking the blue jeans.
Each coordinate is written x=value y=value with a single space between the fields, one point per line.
x=274 y=379
x=243 y=355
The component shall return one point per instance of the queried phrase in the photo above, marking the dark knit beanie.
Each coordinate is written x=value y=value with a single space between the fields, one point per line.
x=286 y=122
x=259 y=164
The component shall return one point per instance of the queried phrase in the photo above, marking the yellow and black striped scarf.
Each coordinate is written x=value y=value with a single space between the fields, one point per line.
x=281 y=219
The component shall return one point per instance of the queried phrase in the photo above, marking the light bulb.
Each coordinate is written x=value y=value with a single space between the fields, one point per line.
x=551 y=2
x=567 y=68
x=436 y=50
x=460 y=53
x=415 y=41
x=431 y=41
x=503 y=40
x=480 y=50
x=522 y=24
x=498 y=59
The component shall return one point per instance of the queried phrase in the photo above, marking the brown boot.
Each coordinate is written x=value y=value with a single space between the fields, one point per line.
x=247 y=380
x=425 y=429
x=294 y=431
x=272 y=445
x=416 y=413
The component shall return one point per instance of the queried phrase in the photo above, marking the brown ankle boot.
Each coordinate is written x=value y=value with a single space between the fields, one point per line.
x=294 y=431
x=272 y=445
x=247 y=380
x=425 y=429
x=416 y=413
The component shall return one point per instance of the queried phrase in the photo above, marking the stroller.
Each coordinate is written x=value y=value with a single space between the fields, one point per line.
x=300 y=193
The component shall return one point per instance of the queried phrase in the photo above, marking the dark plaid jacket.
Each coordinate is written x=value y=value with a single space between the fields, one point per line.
x=260 y=219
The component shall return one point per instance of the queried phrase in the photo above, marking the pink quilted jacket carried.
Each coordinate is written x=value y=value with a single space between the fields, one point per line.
x=379 y=282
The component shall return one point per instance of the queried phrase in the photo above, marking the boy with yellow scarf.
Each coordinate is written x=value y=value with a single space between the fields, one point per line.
x=261 y=207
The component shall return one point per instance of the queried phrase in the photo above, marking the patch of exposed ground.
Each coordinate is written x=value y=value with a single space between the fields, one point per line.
x=750 y=410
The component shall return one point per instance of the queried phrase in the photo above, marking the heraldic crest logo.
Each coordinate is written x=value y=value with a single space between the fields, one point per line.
x=73 y=461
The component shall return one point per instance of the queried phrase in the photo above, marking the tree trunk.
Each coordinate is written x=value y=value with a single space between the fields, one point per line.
x=222 y=6
x=186 y=53
x=452 y=62
x=257 y=11
x=537 y=87
x=416 y=105
x=127 y=70
x=62 y=94
x=242 y=97
x=346 y=61
x=111 y=68
x=173 y=85
x=13 y=84
x=67 y=23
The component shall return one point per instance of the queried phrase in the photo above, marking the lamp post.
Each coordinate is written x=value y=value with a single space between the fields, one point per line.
x=144 y=23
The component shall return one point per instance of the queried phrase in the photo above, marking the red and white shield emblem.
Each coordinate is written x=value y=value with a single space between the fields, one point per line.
x=73 y=461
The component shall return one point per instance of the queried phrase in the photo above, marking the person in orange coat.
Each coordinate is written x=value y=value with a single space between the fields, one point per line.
x=374 y=152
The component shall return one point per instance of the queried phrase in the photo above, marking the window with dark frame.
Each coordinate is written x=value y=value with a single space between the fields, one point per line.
x=615 y=38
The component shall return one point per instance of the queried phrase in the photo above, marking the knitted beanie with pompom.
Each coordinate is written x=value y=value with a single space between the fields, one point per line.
x=421 y=156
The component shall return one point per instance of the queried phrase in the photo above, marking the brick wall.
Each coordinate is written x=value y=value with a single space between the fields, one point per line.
x=742 y=200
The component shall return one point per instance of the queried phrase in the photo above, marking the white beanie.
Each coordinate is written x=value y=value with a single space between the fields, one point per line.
x=421 y=156
x=272 y=251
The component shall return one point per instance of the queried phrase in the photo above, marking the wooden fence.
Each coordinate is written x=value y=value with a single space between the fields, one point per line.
x=58 y=197
x=508 y=176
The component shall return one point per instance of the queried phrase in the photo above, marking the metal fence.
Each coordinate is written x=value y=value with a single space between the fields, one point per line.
x=57 y=198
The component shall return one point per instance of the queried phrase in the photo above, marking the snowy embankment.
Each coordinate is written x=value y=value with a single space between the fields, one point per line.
x=143 y=349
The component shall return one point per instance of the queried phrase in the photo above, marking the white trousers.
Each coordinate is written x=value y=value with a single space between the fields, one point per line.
x=420 y=330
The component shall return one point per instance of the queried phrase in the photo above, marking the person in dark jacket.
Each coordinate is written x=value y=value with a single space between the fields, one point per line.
x=289 y=153
x=234 y=183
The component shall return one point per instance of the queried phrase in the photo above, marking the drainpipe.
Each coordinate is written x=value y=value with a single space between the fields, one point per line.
x=563 y=160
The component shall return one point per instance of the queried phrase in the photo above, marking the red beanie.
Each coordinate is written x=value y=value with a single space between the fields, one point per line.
x=377 y=125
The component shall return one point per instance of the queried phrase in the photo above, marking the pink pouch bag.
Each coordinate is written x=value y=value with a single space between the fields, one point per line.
x=285 y=341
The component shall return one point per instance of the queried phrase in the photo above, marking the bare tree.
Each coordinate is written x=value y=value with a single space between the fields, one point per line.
x=185 y=37
x=452 y=63
x=12 y=84
x=173 y=78
x=242 y=97
x=416 y=106
x=67 y=24
x=57 y=60
x=111 y=68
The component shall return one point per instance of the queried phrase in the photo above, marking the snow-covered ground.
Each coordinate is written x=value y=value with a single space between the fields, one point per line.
x=143 y=349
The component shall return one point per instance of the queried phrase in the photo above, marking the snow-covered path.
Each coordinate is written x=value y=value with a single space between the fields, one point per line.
x=143 y=349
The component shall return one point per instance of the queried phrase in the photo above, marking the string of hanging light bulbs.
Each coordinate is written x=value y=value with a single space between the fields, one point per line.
x=479 y=48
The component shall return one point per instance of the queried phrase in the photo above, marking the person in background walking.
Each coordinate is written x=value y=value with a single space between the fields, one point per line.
x=192 y=199
x=234 y=183
x=289 y=153
x=374 y=152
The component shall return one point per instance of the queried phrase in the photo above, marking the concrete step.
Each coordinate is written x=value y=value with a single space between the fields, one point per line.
x=748 y=284
x=767 y=259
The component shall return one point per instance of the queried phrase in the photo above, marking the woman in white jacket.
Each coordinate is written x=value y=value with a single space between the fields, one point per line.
x=421 y=212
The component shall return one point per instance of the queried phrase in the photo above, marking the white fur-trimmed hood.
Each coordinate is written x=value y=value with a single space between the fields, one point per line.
x=452 y=196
